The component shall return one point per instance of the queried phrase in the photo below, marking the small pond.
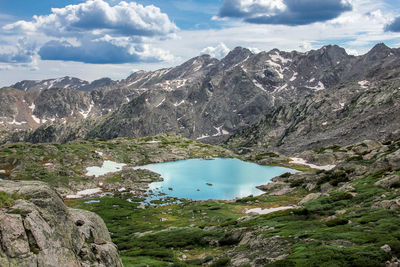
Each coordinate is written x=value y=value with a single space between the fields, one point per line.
x=222 y=179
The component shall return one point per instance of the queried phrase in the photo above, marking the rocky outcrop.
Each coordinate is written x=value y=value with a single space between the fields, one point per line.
x=389 y=182
x=344 y=115
x=259 y=250
x=37 y=229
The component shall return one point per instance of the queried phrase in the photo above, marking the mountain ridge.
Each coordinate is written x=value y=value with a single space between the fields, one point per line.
x=203 y=98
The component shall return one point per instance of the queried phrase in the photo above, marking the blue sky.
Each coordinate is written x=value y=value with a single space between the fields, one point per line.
x=91 y=39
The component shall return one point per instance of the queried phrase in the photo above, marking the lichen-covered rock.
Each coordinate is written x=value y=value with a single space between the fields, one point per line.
x=390 y=181
x=260 y=252
x=13 y=236
x=39 y=230
x=393 y=204
x=394 y=160
x=309 y=198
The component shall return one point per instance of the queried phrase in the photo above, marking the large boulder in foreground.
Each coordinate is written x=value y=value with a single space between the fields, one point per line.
x=37 y=229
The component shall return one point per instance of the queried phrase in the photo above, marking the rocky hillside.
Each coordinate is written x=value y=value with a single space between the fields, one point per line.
x=205 y=98
x=344 y=215
x=37 y=229
x=26 y=111
x=342 y=209
x=341 y=116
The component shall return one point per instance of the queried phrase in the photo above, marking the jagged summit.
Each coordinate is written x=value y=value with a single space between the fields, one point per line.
x=379 y=52
x=380 y=47
x=236 y=55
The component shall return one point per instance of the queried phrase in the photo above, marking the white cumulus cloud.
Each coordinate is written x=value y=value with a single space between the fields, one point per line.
x=97 y=16
x=95 y=32
x=219 y=51
x=284 y=12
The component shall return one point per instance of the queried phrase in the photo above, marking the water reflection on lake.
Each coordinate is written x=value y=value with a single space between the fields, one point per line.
x=222 y=179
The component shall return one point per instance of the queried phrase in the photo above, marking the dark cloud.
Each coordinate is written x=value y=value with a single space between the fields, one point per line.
x=23 y=52
x=284 y=12
x=18 y=57
x=97 y=52
x=243 y=8
x=394 y=26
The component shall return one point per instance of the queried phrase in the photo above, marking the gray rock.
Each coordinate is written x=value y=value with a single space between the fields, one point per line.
x=393 y=204
x=14 y=239
x=388 y=181
x=394 y=160
x=309 y=198
x=47 y=233
x=260 y=250
x=386 y=248
x=326 y=187
x=281 y=190
x=394 y=262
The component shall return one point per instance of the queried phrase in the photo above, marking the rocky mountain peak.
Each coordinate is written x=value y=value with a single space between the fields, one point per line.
x=378 y=52
x=329 y=55
x=97 y=83
x=335 y=50
x=380 y=47
x=236 y=56
x=193 y=68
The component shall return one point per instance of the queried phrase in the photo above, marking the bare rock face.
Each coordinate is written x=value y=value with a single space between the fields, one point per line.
x=39 y=230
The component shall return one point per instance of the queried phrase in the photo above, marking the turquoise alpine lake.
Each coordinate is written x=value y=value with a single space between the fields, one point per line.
x=221 y=179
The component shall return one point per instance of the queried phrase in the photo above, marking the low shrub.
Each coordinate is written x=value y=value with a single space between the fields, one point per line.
x=380 y=173
x=354 y=158
x=303 y=211
x=221 y=262
x=285 y=175
x=228 y=240
x=296 y=183
x=338 y=196
x=333 y=178
x=200 y=261
x=228 y=223
x=337 y=221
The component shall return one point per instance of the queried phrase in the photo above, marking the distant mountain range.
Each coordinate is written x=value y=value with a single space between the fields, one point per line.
x=286 y=101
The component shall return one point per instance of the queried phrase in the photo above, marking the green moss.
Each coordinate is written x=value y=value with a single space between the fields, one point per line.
x=23 y=213
x=7 y=200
